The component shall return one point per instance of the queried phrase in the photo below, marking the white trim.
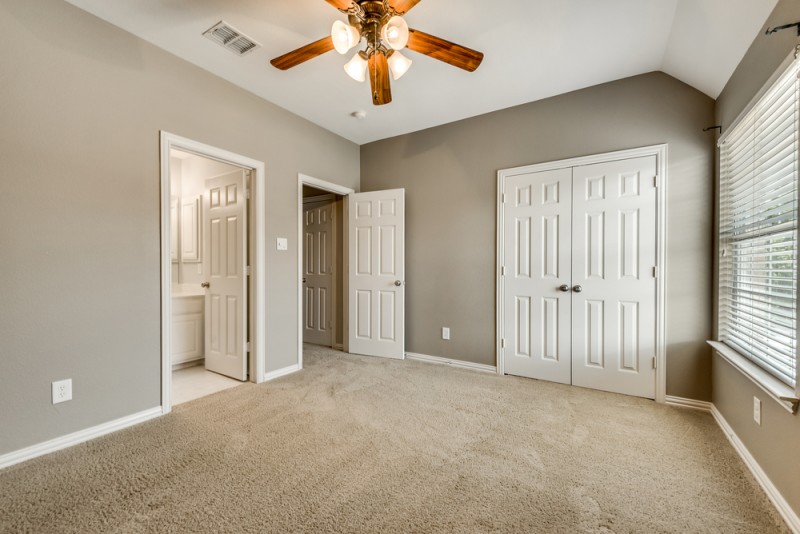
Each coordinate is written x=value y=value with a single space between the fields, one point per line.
x=282 y=372
x=782 y=393
x=331 y=187
x=453 y=363
x=258 y=261
x=53 y=445
x=704 y=406
x=786 y=511
x=660 y=152
x=782 y=68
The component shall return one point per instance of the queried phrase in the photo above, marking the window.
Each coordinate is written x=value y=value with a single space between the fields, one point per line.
x=758 y=231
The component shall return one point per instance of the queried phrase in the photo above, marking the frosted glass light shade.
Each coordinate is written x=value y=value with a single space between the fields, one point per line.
x=395 y=33
x=398 y=64
x=344 y=36
x=356 y=68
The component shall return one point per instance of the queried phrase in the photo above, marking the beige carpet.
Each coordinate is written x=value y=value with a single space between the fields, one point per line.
x=357 y=444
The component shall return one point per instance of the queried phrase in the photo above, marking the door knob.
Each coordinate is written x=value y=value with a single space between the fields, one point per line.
x=205 y=285
x=563 y=287
x=304 y=279
x=398 y=283
x=577 y=289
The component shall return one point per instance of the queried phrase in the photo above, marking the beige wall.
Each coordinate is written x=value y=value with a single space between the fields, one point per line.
x=81 y=109
x=449 y=173
x=774 y=443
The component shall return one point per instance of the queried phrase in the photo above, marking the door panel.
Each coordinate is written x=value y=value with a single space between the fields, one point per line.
x=537 y=258
x=318 y=272
x=614 y=252
x=225 y=257
x=376 y=273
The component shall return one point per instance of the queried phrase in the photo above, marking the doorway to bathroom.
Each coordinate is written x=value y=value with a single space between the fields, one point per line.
x=212 y=202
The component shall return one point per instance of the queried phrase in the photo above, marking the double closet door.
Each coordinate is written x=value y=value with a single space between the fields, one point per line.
x=579 y=276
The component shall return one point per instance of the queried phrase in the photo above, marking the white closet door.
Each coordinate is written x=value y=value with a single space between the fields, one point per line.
x=225 y=239
x=614 y=287
x=317 y=273
x=537 y=277
x=376 y=273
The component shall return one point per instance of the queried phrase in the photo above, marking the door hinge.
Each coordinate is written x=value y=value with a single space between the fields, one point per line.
x=247 y=347
x=503 y=343
x=503 y=198
x=502 y=270
x=655 y=181
x=655 y=363
x=655 y=272
x=247 y=193
x=247 y=271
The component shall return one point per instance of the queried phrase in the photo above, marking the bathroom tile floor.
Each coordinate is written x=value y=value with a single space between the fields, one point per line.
x=195 y=382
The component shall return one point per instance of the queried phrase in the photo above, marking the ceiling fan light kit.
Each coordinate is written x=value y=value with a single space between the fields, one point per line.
x=381 y=25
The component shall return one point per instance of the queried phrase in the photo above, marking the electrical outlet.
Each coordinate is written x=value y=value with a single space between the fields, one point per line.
x=445 y=333
x=757 y=410
x=283 y=243
x=62 y=390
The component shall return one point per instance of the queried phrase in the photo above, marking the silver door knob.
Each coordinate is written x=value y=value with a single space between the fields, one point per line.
x=563 y=287
x=398 y=283
x=577 y=289
x=205 y=285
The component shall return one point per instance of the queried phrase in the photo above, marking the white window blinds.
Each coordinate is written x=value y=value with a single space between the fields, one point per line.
x=758 y=231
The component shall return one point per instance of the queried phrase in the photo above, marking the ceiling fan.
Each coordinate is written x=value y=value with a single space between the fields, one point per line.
x=381 y=24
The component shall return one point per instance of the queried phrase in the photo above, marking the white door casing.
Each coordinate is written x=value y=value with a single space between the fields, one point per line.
x=376 y=273
x=613 y=262
x=225 y=257
x=538 y=217
x=318 y=273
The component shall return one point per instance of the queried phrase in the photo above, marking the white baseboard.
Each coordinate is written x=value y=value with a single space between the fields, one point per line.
x=281 y=372
x=688 y=403
x=28 y=453
x=455 y=363
x=786 y=511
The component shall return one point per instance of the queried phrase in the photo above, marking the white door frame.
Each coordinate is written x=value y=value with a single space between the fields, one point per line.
x=330 y=187
x=258 y=278
x=660 y=152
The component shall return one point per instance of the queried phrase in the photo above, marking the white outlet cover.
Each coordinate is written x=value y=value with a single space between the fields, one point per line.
x=62 y=390
x=445 y=332
x=283 y=243
x=757 y=410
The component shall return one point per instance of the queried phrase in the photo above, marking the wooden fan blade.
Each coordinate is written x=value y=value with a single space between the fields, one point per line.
x=456 y=55
x=403 y=6
x=379 y=79
x=341 y=4
x=310 y=51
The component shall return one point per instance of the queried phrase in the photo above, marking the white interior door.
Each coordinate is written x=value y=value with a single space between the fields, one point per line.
x=537 y=298
x=376 y=273
x=318 y=273
x=613 y=276
x=225 y=255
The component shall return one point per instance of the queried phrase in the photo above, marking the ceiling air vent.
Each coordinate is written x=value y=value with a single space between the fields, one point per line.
x=226 y=35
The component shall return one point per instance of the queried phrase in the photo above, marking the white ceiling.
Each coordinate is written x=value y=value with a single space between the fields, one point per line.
x=534 y=49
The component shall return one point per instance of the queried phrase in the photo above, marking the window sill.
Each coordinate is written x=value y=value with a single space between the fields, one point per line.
x=782 y=393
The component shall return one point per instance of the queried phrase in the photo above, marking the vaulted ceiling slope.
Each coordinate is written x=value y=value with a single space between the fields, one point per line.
x=534 y=49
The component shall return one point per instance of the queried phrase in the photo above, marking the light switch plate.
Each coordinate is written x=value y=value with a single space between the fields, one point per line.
x=283 y=243
x=445 y=332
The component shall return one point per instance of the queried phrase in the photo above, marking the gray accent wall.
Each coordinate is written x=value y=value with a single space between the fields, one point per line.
x=81 y=106
x=774 y=444
x=450 y=176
